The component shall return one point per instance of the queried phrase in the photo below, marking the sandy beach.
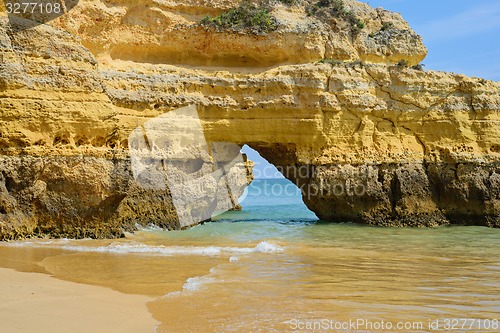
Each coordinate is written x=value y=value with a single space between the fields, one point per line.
x=34 y=302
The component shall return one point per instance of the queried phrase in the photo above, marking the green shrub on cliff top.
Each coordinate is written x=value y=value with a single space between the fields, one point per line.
x=336 y=8
x=245 y=17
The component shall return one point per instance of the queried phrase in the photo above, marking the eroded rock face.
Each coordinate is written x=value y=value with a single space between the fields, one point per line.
x=370 y=141
x=162 y=32
x=65 y=166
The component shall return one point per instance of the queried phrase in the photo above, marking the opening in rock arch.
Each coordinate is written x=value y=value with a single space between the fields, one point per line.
x=270 y=196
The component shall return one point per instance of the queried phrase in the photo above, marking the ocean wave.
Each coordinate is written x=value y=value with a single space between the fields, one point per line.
x=194 y=284
x=150 y=227
x=137 y=248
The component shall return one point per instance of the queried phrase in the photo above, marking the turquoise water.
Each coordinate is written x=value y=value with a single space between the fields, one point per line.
x=271 y=200
x=335 y=271
x=274 y=265
x=273 y=210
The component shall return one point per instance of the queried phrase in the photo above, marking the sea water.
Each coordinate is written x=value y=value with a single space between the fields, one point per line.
x=274 y=267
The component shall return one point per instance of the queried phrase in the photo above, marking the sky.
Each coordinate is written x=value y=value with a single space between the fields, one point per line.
x=462 y=36
x=262 y=169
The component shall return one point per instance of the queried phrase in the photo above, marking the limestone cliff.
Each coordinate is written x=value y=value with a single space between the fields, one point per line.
x=365 y=136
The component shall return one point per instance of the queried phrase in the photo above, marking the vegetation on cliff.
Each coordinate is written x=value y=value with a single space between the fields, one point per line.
x=328 y=9
x=258 y=19
x=246 y=17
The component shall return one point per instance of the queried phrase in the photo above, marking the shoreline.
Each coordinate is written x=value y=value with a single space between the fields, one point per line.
x=36 y=302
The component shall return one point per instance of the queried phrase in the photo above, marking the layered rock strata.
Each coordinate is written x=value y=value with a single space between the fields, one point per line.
x=367 y=140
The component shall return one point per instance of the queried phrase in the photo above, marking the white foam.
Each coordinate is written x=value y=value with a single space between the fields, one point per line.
x=195 y=283
x=137 y=248
x=266 y=247
x=150 y=227
x=172 y=294
x=233 y=259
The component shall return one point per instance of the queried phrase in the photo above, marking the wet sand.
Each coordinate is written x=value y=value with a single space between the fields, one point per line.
x=34 y=302
x=261 y=276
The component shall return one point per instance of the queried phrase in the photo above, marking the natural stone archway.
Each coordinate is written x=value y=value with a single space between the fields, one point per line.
x=393 y=194
x=374 y=142
x=270 y=196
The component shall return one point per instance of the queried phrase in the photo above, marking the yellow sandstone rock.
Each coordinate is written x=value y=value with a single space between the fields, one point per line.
x=380 y=142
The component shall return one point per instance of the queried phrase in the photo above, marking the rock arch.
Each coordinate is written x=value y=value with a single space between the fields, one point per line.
x=388 y=144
